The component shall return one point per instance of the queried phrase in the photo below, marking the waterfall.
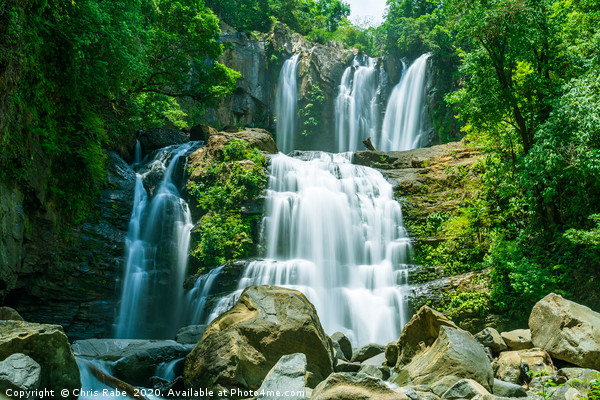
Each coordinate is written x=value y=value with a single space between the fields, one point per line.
x=403 y=122
x=156 y=251
x=334 y=231
x=356 y=106
x=286 y=104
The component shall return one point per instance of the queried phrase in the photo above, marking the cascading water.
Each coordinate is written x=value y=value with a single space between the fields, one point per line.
x=403 y=122
x=334 y=231
x=356 y=106
x=156 y=251
x=286 y=104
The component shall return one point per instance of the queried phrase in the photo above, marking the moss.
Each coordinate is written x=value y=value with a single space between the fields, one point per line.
x=236 y=177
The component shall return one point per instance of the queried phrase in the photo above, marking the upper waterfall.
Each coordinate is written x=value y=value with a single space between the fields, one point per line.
x=403 y=122
x=286 y=104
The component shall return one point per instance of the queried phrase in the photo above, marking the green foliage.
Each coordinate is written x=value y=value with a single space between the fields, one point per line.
x=310 y=115
x=463 y=303
x=82 y=75
x=594 y=390
x=235 y=178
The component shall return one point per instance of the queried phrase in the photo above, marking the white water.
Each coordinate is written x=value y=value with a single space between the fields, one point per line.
x=157 y=247
x=286 y=104
x=334 y=231
x=356 y=106
x=403 y=122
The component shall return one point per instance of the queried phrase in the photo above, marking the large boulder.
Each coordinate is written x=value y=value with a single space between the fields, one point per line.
x=157 y=138
x=241 y=346
x=465 y=389
x=48 y=346
x=367 y=351
x=286 y=379
x=514 y=365
x=345 y=386
x=507 y=389
x=455 y=352
x=342 y=344
x=567 y=330
x=19 y=372
x=423 y=327
x=489 y=337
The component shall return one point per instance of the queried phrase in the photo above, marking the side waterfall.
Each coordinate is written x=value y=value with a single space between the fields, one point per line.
x=403 y=122
x=356 y=106
x=157 y=247
x=333 y=231
x=286 y=104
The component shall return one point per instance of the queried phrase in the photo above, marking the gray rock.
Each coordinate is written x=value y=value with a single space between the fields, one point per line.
x=289 y=374
x=345 y=366
x=441 y=386
x=391 y=353
x=343 y=343
x=9 y=314
x=513 y=365
x=465 y=389
x=378 y=360
x=344 y=386
x=519 y=339
x=114 y=349
x=507 y=389
x=375 y=371
x=367 y=351
x=19 y=372
x=489 y=337
x=566 y=330
x=578 y=373
x=455 y=352
x=190 y=334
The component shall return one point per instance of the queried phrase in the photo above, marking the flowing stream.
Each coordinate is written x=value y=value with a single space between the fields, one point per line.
x=286 y=104
x=403 y=122
x=157 y=247
x=333 y=231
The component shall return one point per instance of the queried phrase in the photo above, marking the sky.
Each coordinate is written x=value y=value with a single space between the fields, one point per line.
x=366 y=8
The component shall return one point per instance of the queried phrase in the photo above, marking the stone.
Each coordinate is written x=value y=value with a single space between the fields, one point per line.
x=566 y=330
x=343 y=343
x=288 y=375
x=391 y=353
x=375 y=371
x=507 y=389
x=514 y=365
x=441 y=386
x=489 y=337
x=423 y=327
x=346 y=366
x=157 y=138
x=578 y=373
x=519 y=339
x=9 y=314
x=242 y=345
x=378 y=360
x=367 y=351
x=344 y=386
x=48 y=346
x=115 y=349
x=201 y=132
x=190 y=334
x=455 y=352
x=19 y=372
x=465 y=389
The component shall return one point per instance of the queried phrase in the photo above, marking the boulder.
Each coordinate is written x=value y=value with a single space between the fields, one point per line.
x=200 y=132
x=288 y=375
x=376 y=371
x=507 y=389
x=455 y=352
x=344 y=386
x=578 y=373
x=513 y=365
x=465 y=389
x=115 y=349
x=190 y=334
x=391 y=353
x=157 y=138
x=378 y=360
x=19 y=372
x=423 y=327
x=345 y=366
x=366 y=352
x=341 y=342
x=441 y=386
x=566 y=330
x=9 y=314
x=519 y=339
x=242 y=345
x=489 y=337
x=48 y=346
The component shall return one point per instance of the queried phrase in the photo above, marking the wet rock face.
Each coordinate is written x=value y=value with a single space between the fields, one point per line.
x=71 y=283
x=241 y=346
